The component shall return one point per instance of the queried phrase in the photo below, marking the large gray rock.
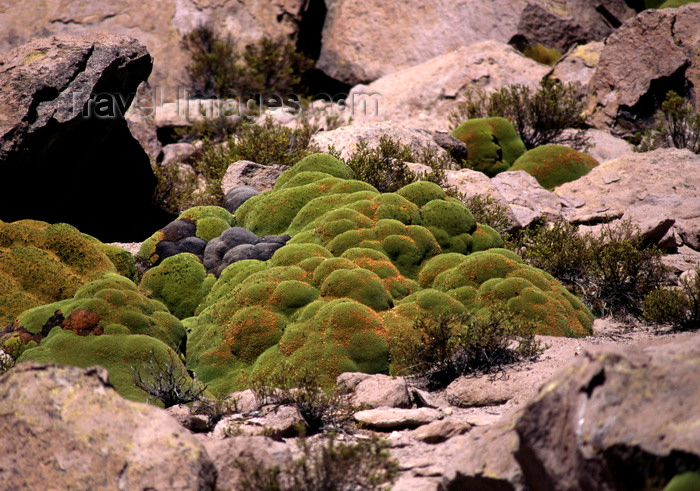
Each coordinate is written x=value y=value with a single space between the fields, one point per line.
x=423 y=96
x=159 y=25
x=64 y=144
x=620 y=418
x=647 y=188
x=357 y=34
x=67 y=427
x=656 y=51
x=562 y=24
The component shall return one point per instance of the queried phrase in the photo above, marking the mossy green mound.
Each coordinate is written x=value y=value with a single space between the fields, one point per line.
x=272 y=212
x=99 y=306
x=180 y=282
x=210 y=220
x=116 y=352
x=122 y=259
x=42 y=263
x=554 y=165
x=493 y=144
x=499 y=278
x=542 y=54
x=317 y=162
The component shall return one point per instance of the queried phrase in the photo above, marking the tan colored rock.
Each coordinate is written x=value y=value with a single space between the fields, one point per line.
x=250 y=451
x=578 y=65
x=606 y=146
x=276 y=422
x=395 y=418
x=67 y=427
x=614 y=413
x=648 y=188
x=345 y=139
x=176 y=153
x=382 y=391
x=424 y=95
x=656 y=51
x=439 y=431
x=193 y=422
x=158 y=25
x=247 y=173
x=364 y=40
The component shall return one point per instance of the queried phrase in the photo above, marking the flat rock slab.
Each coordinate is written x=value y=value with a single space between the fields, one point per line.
x=395 y=418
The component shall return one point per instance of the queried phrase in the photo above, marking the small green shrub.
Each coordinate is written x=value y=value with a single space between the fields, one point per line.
x=622 y=270
x=384 y=167
x=322 y=409
x=211 y=71
x=540 y=116
x=198 y=181
x=679 y=307
x=166 y=382
x=613 y=270
x=488 y=211
x=557 y=248
x=331 y=466
x=677 y=125
x=219 y=69
x=449 y=346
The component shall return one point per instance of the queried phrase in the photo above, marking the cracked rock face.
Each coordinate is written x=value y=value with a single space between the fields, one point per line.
x=650 y=54
x=158 y=25
x=619 y=418
x=66 y=152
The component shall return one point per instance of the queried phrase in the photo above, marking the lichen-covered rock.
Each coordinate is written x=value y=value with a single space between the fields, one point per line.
x=180 y=282
x=42 y=263
x=66 y=427
x=493 y=144
x=554 y=165
x=613 y=414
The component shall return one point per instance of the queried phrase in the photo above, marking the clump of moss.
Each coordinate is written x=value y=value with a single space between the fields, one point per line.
x=116 y=352
x=180 y=282
x=100 y=305
x=542 y=54
x=554 y=165
x=42 y=263
x=317 y=162
x=493 y=144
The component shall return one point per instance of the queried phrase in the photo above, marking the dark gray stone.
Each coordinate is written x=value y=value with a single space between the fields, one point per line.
x=237 y=196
